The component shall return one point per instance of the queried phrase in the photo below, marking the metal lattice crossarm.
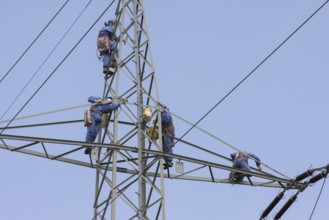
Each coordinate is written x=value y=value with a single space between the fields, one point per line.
x=76 y=146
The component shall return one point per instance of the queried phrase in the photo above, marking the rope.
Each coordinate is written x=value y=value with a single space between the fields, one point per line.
x=318 y=198
x=33 y=41
x=59 y=65
x=45 y=61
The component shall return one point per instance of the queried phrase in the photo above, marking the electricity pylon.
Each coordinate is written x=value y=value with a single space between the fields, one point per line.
x=127 y=159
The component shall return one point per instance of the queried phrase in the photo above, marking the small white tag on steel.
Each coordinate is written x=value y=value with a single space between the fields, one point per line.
x=94 y=153
x=179 y=167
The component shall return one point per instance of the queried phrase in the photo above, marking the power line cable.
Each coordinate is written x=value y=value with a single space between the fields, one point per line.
x=34 y=41
x=46 y=113
x=316 y=203
x=59 y=65
x=46 y=59
x=263 y=61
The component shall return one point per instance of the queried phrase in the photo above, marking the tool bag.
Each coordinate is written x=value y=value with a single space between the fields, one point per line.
x=105 y=120
x=87 y=118
x=103 y=43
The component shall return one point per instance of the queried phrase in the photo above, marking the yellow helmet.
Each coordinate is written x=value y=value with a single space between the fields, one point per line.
x=154 y=132
x=147 y=114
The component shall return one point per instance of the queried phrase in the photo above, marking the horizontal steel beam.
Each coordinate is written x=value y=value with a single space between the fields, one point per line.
x=135 y=150
x=128 y=171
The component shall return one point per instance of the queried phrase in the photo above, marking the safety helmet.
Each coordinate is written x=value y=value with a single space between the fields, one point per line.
x=112 y=20
x=153 y=132
x=147 y=114
x=108 y=100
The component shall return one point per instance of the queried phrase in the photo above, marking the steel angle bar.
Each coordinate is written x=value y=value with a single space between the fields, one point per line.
x=154 y=203
x=191 y=171
x=129 y=74
x=144 y=59
x=150 y=164
x=126 y=30
x=42 y=124
x=66 y=153
x=211 y=174
x=58 y=123
x=134 y=91
x=124 y=197
x=25 y=146
x=150 y=88
x=151 y=189
x=140 y=47
x=151 y=183
x=129 y=159
x=127 y=59
x=129 y=162
x=130 y=134
x=39 y=154
x=109 y=135
x=131 y=94
x=4 y=144
x=203 y=149
x=131 y=113
x=118 y=195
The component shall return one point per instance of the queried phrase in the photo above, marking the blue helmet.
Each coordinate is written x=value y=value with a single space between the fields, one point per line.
x=110 y=21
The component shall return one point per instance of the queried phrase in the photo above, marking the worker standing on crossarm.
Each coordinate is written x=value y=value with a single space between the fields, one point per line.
x=106 y=43
x=240 y=160
x=168 y=135
x=99 y=108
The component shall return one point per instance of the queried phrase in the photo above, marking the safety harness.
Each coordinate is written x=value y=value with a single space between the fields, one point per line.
x=169 y=128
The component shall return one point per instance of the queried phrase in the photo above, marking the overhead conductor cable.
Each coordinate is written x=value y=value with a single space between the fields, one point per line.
x=33 y=42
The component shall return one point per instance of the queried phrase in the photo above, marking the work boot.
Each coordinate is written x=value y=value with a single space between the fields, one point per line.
x=88 y=150
x=113 y=64
x=105 y=69
x=168 y=164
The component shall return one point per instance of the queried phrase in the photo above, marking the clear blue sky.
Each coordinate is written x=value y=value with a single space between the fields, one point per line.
x=200 y=51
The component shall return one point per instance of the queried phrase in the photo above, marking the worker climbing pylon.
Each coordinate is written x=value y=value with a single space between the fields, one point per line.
x=94 y=117
x=240 y=160
x=107 y=44
x=168 y=135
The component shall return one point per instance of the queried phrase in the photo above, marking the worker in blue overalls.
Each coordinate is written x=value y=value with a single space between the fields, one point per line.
x=108 y=30
x=240 y=160
x=99 y=108
x=168 y=135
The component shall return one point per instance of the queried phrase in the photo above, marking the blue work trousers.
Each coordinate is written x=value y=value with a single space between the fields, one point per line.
x=168 y=144
x=93 y=129
x=107 y=56
x=242 y=163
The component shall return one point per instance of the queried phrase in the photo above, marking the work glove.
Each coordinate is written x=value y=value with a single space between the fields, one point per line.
x=259 y=168
x=98 y=101
x=124 y=40
x=123 y=101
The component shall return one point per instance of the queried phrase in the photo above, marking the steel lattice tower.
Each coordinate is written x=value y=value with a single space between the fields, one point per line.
x=127 y=160
x=134 y=78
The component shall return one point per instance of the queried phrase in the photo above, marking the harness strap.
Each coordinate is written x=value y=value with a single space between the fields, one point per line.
x=96 y=110
x=239 y=155
x=170 y=128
